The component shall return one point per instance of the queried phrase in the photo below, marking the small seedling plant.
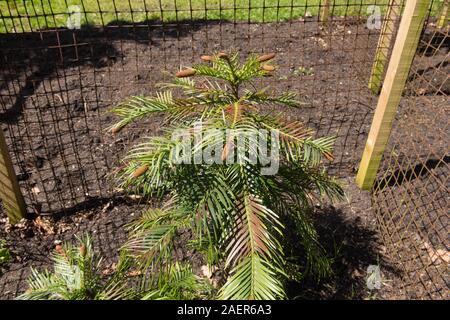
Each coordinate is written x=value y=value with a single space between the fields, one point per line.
x=77 y=275
x=230 y=169
x=5 y=254
x=80 y=274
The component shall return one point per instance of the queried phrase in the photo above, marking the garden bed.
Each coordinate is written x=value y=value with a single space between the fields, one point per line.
x=67 y=83
x=66 y=157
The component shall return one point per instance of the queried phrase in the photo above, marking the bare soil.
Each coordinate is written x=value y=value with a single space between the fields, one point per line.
x=58 y=86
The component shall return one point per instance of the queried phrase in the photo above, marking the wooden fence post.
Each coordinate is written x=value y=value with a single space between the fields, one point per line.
x=443 y=16
x=324 y=11
x=384 y=43
x=10 y=194
x=403 y=53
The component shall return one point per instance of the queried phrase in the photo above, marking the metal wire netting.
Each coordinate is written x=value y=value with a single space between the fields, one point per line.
x=57 y=84
x=412 y=195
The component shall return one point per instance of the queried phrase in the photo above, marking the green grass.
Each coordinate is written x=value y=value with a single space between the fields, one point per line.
x=141 y=10
x=5 y=254
x=53 y=13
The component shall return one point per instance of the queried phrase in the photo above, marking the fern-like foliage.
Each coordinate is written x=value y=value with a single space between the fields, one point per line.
x=176 y=282
x=235 y=211
x=77 y=276
x=5 y=254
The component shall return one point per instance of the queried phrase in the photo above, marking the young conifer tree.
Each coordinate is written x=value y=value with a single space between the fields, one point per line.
x=77 y=275
x=230 y=169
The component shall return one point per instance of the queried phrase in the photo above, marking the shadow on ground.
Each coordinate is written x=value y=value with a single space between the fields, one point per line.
x=30 y=58
x=352 y=248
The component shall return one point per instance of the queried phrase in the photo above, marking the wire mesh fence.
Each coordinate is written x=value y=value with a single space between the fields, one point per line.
x=58 y=83
x=411 y=196
x=65 y=63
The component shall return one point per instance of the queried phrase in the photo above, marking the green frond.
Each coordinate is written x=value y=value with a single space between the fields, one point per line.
x=303 y=185
x=43 y=286
x=317 y=262
x=214 y=207
x=177 y=282
x=117 y=290
x=217 y=73
x=251 y=231
x=208 y=196
x=76 y=276
x=254 y=252
x=202 y=88
x=327 y=186
x=188 y=85
x=254 y=278
x=296 y=142
x=157 y=154
x=151 y=235
x=316 y=149
x=250 y=69
x=138 y=107
x=228 y=69
x=260 y=97
x=207 y=248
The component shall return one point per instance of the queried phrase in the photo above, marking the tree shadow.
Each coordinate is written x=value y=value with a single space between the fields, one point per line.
x=28 y=59
x=41 y=80
x=351 y=247
x=399 y=176
x=433 y=39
